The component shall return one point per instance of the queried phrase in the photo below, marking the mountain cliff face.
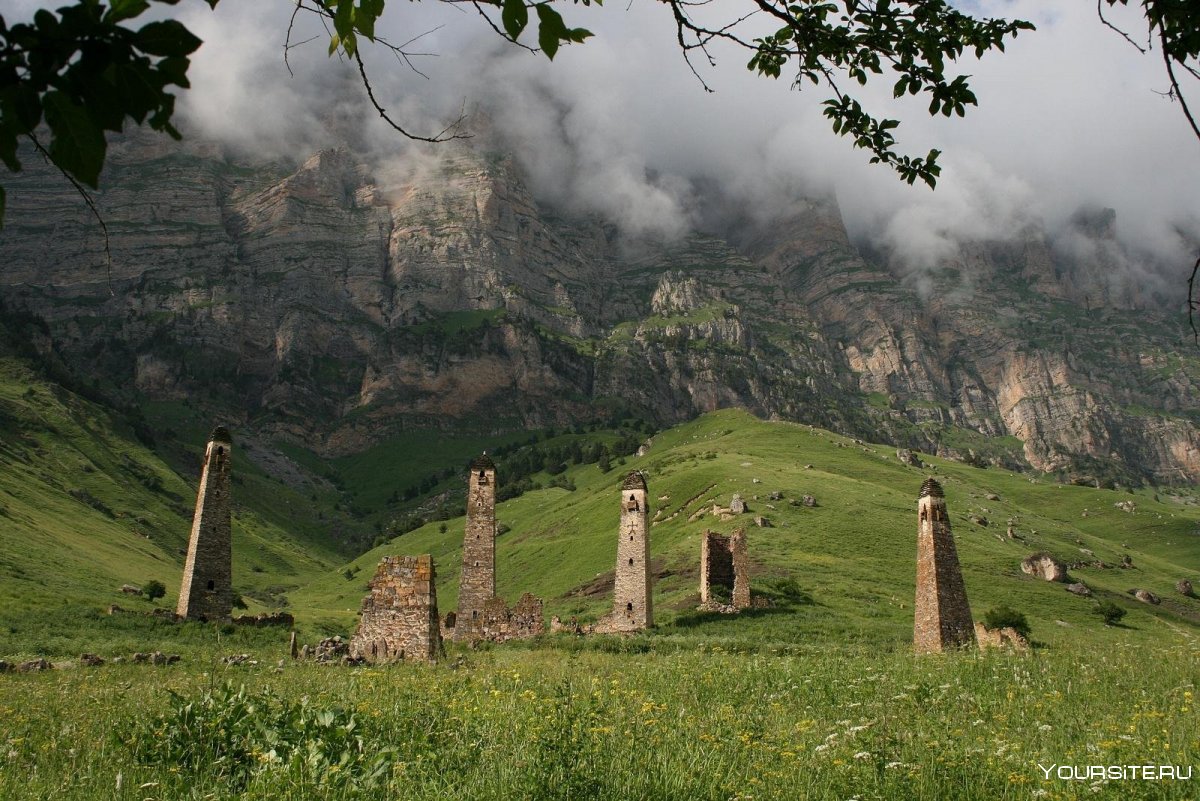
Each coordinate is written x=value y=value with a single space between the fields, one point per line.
x=337 y=301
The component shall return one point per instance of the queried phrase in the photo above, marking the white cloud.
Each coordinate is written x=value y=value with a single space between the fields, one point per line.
x=1068 y=117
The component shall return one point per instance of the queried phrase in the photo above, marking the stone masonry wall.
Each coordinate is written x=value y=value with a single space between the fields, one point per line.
x=206 y=592
x=400 y=616
x=477 y=584
x=716 y=565
x=741 y=569
x=524 y=620
x=942 y=616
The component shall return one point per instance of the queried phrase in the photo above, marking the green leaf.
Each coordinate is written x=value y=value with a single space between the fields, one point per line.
x=137 y=89
x=365 y=24
x=8 y=149
x=166 y=38
x=551 y=29
x=77 y=145
x=515 y=17
x=343 y=19
x=174 y=71
x=119 y=10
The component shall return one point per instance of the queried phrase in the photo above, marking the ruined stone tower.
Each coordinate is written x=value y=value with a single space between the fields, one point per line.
x=206 y=592
x=942 y=616
x=477 y=584
x=400 y=616
x=724 y=570
x=632 y=603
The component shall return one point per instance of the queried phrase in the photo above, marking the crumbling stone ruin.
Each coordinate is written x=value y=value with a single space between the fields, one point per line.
x=500 y=623
x=1006 y=637
x=264 y=619
x=477 y=584
x=1184 y=587
x=724 y=565
x=400 y=616
x=330 y=649
x=942 y=616
x=632 y=602
x=206 y=592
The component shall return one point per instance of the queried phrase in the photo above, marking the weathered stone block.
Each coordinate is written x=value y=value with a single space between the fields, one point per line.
x=1044 y=566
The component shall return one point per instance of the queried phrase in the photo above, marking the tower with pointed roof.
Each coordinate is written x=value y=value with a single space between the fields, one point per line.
x=477 y=584
x=632 y=602
x=206 y=592
x=942 y=616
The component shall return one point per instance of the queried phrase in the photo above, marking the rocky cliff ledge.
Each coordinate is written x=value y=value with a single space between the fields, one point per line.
x=321 y=301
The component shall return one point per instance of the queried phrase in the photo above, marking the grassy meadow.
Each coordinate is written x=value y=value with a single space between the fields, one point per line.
x=609 y=720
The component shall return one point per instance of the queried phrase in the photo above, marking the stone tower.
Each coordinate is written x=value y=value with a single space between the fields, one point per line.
x=942 y=616
x=632 y=603
x=400 y=616
x=724 y=563
x=477 y=585
x=206 y=592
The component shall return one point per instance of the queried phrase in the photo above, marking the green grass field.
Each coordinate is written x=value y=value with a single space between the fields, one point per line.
x=564 y=721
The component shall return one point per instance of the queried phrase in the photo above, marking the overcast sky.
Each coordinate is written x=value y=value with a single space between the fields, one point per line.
x=1068 y=117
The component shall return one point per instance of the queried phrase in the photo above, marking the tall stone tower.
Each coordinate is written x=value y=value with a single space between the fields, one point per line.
x=942 y=616
x=206 y=592
x=632 y=603
x=477 y=584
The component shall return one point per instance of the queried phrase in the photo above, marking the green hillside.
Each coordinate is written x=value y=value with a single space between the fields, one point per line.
x=84 y=508
x=842 y=571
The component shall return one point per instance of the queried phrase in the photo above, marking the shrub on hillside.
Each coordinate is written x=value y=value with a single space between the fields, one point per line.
x=154 y=589
x=1004 y=616
x=1111 y=613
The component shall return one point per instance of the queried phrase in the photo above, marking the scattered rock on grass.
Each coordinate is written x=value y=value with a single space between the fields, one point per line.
x=1044 y=566
x=1145 y=596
